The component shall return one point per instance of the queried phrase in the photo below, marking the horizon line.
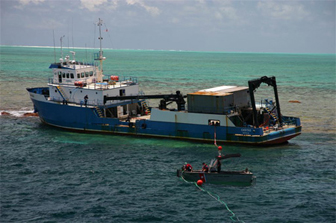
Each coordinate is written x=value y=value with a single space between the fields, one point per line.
x=171 y=50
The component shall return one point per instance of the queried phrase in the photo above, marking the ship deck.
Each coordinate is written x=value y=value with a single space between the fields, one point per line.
x=98 y=86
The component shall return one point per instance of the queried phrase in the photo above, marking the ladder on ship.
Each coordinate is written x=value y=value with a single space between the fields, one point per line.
x=99 y=112
x=275 y=118
x=60 y=90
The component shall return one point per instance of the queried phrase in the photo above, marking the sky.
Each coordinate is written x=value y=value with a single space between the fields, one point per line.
x=189 y=25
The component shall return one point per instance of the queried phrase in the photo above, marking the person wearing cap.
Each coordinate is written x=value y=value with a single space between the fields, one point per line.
x=184 y=166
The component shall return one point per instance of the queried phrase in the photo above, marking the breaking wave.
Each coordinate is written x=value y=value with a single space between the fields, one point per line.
x=16 y=113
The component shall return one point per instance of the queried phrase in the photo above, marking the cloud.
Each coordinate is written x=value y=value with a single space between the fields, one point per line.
x=282 y=10
x=228 y=12
x=205 y=15
x=99 y=5
x=23 y=3
x=92 y=5
x=244 y=25
x=154 y=11
x=26 y=2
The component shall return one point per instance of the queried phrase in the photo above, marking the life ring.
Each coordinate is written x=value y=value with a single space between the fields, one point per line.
x=114 y=78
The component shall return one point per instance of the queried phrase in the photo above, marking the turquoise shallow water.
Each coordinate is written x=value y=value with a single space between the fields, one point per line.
x=52 y=175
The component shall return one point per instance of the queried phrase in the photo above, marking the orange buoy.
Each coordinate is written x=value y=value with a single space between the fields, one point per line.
x=199 y=182
x=220 y=148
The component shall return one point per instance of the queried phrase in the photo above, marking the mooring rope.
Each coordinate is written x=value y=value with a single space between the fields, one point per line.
x=233 y=216
x=215 y=137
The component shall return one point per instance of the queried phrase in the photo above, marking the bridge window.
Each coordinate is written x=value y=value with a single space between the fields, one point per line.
x=82 y=75
x=78 y=75
x=72 y=76
x=214 y=122
x=67 y=75
x=86 y=74
x=63 y=75
x=91 y=73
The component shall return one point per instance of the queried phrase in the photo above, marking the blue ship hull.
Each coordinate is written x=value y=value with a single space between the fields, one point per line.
x=81 y=118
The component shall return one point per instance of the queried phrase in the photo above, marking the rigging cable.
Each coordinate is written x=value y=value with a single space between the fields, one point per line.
x=106 y=30
x=215 y=136
x=233 y=216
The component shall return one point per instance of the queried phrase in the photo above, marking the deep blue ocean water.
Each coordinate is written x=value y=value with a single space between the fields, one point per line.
x=51 y=175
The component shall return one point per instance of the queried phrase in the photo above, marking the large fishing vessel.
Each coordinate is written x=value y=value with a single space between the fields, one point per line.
x=79 y=98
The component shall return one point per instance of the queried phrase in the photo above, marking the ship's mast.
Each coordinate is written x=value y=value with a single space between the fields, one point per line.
x=101 y=58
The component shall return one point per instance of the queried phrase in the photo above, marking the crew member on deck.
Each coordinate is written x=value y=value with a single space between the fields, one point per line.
x=187 y=167
x=205 y=167
x=86 y=100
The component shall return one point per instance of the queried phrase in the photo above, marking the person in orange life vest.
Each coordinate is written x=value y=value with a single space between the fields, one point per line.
x=205 y=167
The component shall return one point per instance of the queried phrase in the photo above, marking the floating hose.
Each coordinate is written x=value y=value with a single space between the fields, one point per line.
x=233 y=216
